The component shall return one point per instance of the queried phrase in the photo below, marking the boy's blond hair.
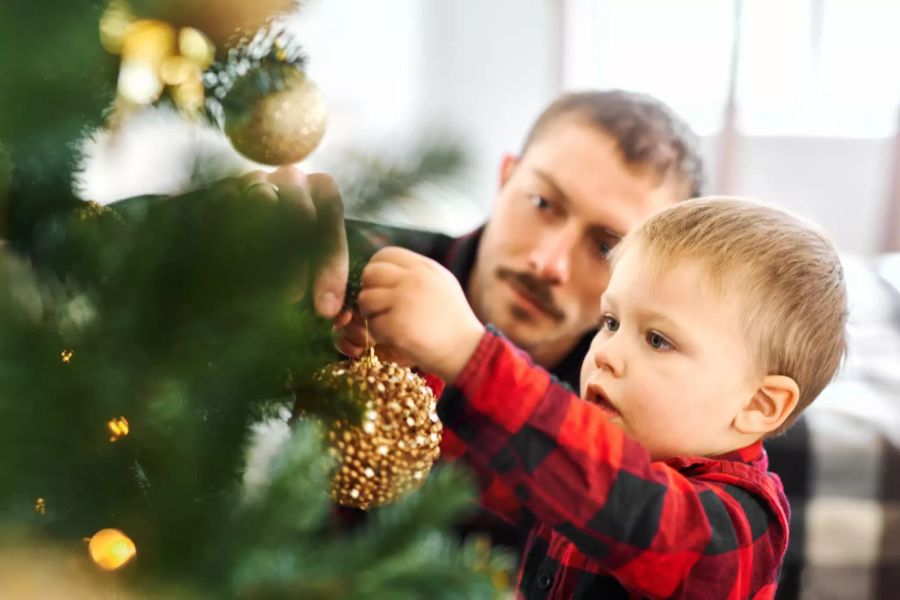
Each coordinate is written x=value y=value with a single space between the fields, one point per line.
x=785 y=273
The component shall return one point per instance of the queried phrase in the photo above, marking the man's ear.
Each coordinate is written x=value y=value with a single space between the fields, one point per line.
x=769 y=407
x=507 y=166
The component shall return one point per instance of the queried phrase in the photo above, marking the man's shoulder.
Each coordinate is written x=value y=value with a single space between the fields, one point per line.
x=364 y=238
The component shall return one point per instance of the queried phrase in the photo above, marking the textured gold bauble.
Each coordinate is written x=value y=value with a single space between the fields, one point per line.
x=393 y=449
x=281 y=128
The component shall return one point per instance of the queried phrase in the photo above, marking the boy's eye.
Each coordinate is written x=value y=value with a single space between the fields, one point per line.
x=609 y=323
x=658 y=342
x=539 y=202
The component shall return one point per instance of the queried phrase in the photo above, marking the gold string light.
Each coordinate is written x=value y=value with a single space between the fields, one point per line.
x=155 y=56
x=118 y=428
x=111 y=549
x=40 y=506
x=66 y=356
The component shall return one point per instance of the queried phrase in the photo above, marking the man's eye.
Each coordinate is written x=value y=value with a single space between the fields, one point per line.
x=539 y=202
x=658 y=342
x=609 y=323
x=603 y=244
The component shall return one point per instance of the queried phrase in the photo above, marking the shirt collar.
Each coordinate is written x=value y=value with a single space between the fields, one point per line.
x=753 y=455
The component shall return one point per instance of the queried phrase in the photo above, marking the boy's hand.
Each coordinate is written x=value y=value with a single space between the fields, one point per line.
x=417 y=307
x=355 y=337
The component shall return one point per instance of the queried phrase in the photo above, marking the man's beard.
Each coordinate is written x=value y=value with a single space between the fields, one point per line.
x=536 y=289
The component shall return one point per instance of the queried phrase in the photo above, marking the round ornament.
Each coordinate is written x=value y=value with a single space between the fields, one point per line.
x=393 y=449
x=280 y=128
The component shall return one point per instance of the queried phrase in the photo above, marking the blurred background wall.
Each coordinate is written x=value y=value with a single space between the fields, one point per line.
x=816 y=86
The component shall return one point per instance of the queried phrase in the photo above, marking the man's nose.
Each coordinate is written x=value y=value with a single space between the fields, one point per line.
x=551 y=258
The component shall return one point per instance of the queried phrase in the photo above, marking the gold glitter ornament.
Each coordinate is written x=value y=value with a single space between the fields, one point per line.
x=283 y=127
x=393 y=449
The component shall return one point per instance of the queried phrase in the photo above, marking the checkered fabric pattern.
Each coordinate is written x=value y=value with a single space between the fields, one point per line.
x=605 y=520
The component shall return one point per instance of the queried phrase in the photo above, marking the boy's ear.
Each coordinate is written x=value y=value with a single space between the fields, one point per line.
x=769 y=407
x=507 y=166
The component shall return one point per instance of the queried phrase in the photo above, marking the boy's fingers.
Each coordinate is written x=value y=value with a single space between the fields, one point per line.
x=382 y=274
x=375 y=301
x=380 y=325
x=348 y=348
x=397 y=256
x=342 y=319
x=357 y=334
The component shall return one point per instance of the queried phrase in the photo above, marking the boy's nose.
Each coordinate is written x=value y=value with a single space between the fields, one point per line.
x=608 y=356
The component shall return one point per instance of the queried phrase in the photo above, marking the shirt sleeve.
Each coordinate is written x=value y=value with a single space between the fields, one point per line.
x=656 y=529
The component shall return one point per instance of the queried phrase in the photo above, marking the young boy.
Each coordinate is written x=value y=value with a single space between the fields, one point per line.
x=723 y=319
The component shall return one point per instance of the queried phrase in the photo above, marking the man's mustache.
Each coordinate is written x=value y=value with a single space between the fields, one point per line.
x=537 y=289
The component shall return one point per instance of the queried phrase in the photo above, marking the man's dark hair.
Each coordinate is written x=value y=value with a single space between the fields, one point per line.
x=646 y=131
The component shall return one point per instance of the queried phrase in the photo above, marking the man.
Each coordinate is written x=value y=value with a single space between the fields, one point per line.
x=593 y=166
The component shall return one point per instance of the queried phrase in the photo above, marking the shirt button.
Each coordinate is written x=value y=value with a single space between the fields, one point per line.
x=544 y=580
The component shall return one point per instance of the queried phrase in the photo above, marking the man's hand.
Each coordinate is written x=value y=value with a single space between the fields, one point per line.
x=417 y=308
x=317 y=198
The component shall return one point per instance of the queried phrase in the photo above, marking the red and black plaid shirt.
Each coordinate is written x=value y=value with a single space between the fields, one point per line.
x=604 y=520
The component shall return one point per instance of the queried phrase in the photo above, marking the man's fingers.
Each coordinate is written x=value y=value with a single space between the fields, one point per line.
x=316 y=203
x=331 y=276
x=256 y=187
x=292 y=192
x=288 y=177
x=290 y=185
x=226 y=191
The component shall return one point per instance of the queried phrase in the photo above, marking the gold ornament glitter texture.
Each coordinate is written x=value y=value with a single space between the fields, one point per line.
x=393 y=449
x=282 y=128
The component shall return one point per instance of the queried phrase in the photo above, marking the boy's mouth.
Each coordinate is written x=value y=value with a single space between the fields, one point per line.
x=596 y=395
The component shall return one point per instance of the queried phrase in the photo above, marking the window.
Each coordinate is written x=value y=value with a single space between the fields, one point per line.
x=804 y=67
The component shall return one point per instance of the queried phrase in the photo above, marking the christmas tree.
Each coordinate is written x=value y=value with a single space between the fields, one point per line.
x=141 y=343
